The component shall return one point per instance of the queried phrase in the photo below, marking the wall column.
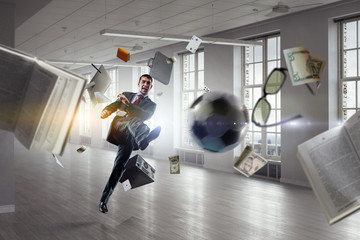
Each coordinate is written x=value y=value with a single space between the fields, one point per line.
x=7 y=190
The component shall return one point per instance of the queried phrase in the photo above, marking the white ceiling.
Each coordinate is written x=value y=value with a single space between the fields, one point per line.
x=68 y=30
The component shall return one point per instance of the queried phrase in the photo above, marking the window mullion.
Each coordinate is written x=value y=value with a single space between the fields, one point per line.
x=195 y=72
x=264 y=67
x=348 y=28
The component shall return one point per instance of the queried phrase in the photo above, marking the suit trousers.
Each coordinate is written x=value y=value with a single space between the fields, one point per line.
x=134 y=131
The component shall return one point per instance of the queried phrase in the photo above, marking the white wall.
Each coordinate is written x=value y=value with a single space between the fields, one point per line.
x=308 y=28
x=218 y=66
x=219 y=75
x=311 y=29
x=168 y=106
x=7 y=202
x=126 y=83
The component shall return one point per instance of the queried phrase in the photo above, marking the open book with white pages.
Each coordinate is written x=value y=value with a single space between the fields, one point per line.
x=331 y=161
x=38 y=100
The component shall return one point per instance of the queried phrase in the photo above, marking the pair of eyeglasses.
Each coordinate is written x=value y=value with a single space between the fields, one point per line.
x=262 y=108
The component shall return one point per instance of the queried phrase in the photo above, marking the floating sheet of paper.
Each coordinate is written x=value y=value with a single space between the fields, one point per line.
x=101 y=98
x=126 y=184
x=101 y=81
x=249 y=162
x=89 y=85
x=57 y=160
x=193 y=44
x=81 y=149
x=160 y=68
x=174 y=164
x=158 y=95
x=123 y=54
x=303 y=68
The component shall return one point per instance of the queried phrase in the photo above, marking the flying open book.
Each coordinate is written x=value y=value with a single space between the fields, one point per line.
x=38 y=100
x=331 y=161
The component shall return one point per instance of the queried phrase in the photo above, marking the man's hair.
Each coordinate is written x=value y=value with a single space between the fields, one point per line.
x=147 y=76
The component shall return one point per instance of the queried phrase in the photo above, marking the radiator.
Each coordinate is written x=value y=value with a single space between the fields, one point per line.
x=271 y=170
x=191 y=156
x=85 y=140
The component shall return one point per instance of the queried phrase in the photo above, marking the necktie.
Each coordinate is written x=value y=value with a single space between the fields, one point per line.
x=138 y=99
x=135 y=103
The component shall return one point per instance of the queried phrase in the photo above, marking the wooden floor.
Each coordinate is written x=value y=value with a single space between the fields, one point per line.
x=56 y=203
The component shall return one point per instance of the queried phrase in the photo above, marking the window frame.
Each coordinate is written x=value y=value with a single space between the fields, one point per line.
x=186 y=140
x=264 y=147
x=105 y=123
x=344 y=110
x=85 y=111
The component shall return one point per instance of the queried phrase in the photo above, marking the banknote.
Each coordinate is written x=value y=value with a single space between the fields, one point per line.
x=57 y=160
x=174 y=164
x=81 y=149
x=249 y=162
x=171 y=60
x=317 y=66
x=303 y=67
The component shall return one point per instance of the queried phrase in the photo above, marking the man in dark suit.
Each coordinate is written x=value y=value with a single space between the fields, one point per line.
x=128 y=132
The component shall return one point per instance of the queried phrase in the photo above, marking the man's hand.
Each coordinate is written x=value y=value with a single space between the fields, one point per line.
x=123 y=99
x=105 y=113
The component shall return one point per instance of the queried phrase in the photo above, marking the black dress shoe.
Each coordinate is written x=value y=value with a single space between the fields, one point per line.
x=152 y=135
x=103 y=207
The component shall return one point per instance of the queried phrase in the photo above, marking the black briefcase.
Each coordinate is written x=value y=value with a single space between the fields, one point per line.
x=138 y=171
x=114 y=135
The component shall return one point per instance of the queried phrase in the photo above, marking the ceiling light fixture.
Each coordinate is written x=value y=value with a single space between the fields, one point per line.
x=116 y=33
x=175 y=37
x=89 y=64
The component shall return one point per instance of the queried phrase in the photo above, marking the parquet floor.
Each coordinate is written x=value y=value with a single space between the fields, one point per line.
x=62 y=203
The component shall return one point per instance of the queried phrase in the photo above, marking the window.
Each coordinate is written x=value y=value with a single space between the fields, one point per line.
x=85 y=112
x=259 y=62
x=110 y=93
x=350 y=64
x=192 y=74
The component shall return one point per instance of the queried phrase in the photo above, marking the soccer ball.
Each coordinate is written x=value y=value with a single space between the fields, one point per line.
x=218 y=121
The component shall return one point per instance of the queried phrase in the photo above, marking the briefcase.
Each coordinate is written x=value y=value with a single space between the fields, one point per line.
x=117 y=131
x=160 y=68
x=138 y=171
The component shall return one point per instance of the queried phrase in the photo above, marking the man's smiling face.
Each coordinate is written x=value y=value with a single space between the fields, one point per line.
x=145 y=85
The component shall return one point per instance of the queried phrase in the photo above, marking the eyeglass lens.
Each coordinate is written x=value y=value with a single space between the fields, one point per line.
x=272 y=86
x=274 y=82
x=261 y=111
x=262 y=107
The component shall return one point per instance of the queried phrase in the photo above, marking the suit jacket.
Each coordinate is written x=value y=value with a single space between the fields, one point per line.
x=118 y=132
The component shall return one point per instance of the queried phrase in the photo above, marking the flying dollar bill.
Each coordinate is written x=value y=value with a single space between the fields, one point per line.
x=174 y=164
x=249 y=162
x=57 y=160
x=303 y=68
x=81 y=149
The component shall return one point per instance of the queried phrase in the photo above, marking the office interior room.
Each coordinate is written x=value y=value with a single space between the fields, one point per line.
x=222 y=68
